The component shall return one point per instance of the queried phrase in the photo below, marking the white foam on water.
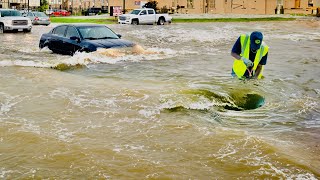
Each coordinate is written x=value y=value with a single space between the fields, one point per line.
x=24 y=63
x=286 y=173
x=192 y=102
x=6 y=173
x=113 y=56
x=149 y=112
x=8 y=102
x=293 y=36
x=63 y=134
x=108 y=56
x=249 y=152
x=83 y=99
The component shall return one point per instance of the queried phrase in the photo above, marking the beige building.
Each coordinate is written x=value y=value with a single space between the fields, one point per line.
x=183 y=6
x=226 y=6
x=19 y=4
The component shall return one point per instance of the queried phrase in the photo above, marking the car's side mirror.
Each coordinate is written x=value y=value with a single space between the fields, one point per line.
x=119 y=35
x=75 y=38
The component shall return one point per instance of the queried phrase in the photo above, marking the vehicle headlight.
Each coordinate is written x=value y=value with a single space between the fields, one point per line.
x=29 y=22
x=8 y=22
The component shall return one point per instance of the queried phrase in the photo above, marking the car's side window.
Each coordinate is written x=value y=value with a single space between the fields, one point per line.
x=150 y=12
x=144 y=12
x=59 y=31
x=71 y=31
x=29 y=14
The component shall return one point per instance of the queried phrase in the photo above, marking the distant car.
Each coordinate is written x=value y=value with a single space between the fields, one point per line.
x=50 y=11
x=68 y=39
x=144 y=16
x=38 y=18
x=61 y=13
x=92 y=11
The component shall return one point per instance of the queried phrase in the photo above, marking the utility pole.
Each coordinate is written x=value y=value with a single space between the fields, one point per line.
x=124 y=6
x=28 y=5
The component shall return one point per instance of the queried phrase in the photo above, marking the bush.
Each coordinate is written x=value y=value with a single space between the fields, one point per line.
x=164 y=9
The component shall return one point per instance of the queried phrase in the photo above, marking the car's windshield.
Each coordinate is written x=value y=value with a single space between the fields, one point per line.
x=10 y=13
x=97 y=32
x=40 y=14
x=136 y=12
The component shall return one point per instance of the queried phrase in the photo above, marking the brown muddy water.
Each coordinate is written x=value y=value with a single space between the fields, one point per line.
x=161 y=113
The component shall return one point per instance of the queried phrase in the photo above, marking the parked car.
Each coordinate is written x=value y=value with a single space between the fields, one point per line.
x=67 y=39
x=104 y=9
x=12 y=20
x=144 y=16
x=38 y=18
x=61 y=13
x=92 y=11
x=50 y=11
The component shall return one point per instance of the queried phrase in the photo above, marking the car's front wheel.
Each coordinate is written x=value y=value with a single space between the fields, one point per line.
x=135 y=22
x=161 y=21
x=1 y=28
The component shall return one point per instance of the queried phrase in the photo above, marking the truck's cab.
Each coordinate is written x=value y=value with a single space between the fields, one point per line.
x=11 y=20
x=144 y=16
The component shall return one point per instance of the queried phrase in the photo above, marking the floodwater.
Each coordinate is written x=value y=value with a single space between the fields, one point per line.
x=161 y=113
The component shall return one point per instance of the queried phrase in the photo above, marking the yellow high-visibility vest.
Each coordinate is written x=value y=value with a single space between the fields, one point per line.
x=239 y=67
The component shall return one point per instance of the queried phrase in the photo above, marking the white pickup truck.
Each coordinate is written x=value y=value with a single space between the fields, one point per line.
x=144 y=16
x=12 y=20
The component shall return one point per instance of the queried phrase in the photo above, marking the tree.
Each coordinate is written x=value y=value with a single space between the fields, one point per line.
x=151 y=4
x=43 y=5
x=164 y=9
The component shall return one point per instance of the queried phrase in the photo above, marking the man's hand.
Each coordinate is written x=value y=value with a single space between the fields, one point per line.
x=247 y=62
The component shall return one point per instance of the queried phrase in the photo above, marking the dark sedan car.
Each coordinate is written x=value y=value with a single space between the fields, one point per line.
x=67 y=39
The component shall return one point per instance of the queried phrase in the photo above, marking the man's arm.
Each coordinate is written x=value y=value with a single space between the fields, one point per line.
x=235 y=55
x=259 y=67
x=236 y=50
x=258 y=71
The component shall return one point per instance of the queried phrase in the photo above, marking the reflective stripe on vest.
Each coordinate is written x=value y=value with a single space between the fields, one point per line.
x=238 y=65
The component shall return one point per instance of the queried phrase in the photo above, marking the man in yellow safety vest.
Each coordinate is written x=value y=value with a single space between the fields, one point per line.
x=250 y=53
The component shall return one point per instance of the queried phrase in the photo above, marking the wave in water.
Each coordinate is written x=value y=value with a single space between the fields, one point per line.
x=202 y=99
x=81 y=59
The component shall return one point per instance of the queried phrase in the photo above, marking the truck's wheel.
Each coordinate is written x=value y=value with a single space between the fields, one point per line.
x=161 y=21
x=135 y=22
x=1 y=28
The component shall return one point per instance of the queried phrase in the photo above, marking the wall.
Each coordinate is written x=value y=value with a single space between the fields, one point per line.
x=270 y=7
x=19 y=3
x=225 y=6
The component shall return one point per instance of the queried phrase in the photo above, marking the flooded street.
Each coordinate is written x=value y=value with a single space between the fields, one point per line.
x=161 y=113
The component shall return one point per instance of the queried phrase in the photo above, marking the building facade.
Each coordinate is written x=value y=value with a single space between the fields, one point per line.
x=225 y=6
x=77 y=5
x=19 y=4
x=181 y=6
